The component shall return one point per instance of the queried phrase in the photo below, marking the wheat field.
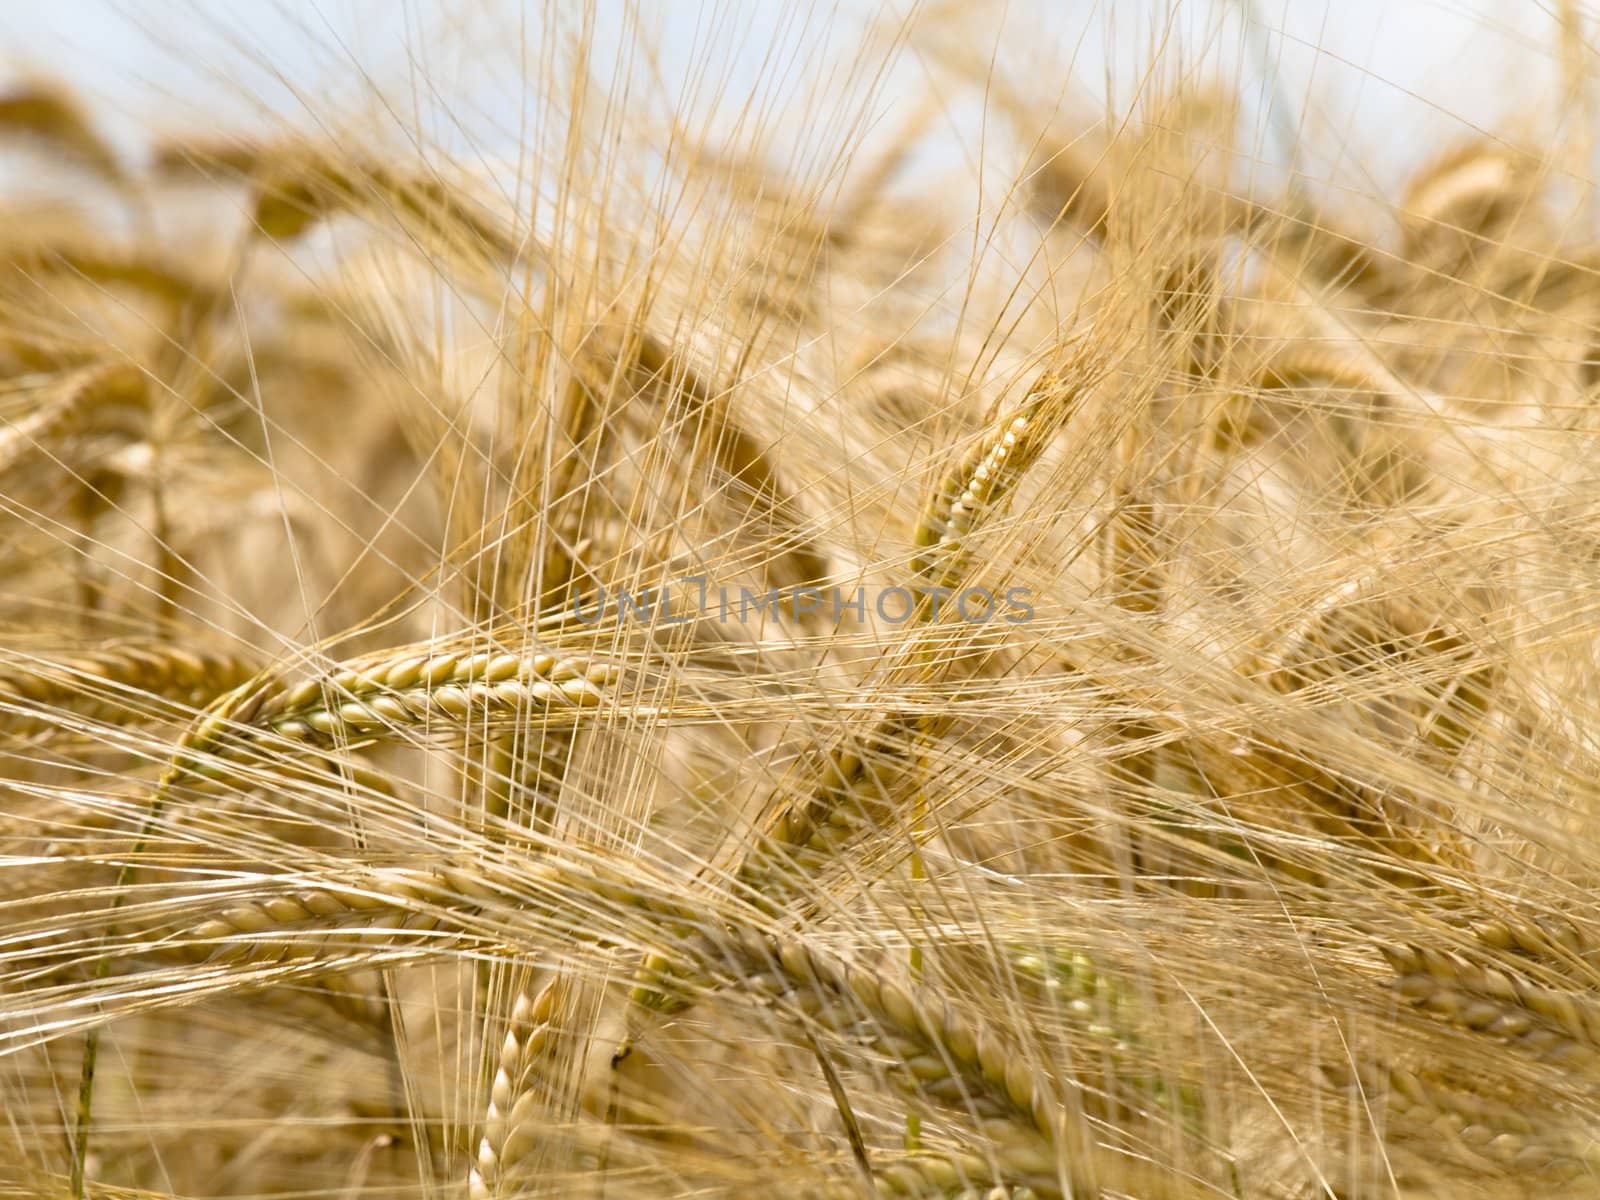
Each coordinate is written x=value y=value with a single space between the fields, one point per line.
x=948 y=634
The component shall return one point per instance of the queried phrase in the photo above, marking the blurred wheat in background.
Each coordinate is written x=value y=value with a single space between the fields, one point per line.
x=355 y=845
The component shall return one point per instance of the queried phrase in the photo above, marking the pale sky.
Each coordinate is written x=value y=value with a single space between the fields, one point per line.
x=1392 y=78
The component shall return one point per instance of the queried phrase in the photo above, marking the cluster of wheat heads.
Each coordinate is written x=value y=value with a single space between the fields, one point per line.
x=492 y=701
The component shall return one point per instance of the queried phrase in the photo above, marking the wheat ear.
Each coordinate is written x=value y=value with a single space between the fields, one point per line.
x=925 y=1175
x=528 y=1035
x=1489 y=1129
x=974 y=490
x=307 y=922
x=115 y=684
x=46 y=114
x=371 y=699
x=1546 y=1023
x=984 y=479
x=1496 y=1131
x=112 y=266
x=67 y=402
x=953 y=1058
x=798 y=837
x=739 y=454
x=297 y=186
x=1550 y=940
